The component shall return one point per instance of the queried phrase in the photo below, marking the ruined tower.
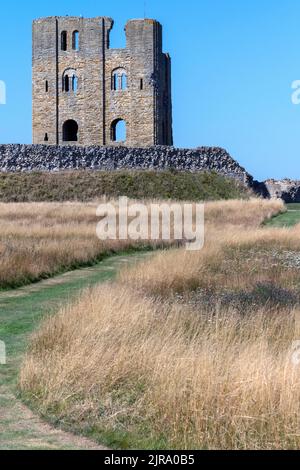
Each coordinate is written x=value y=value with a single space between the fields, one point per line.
x=84 y=92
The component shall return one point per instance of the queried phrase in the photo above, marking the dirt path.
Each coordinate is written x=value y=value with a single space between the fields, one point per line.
x=21 y=310
x=20 y=429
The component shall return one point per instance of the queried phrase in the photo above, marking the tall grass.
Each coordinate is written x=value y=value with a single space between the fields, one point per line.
x=38 y=240
x=165 y=373
x=185 y=350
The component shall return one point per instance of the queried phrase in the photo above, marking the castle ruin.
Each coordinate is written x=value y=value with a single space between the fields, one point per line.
x=85 y=93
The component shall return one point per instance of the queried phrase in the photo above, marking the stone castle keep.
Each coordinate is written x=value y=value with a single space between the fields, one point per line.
x=85 y=93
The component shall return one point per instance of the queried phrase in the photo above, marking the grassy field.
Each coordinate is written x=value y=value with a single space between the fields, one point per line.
x=40 y=240
x=21 y=311
x=288 y=219
x=186 y=350
x=90 y=185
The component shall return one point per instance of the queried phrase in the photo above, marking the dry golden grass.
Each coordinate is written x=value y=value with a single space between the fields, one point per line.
x=187 y=350
x=230 y=260
x=226 y=259
x=200 y=381
x=38 y=240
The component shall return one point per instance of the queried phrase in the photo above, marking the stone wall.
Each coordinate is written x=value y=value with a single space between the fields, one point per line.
x=26 y=158
x=287 y=190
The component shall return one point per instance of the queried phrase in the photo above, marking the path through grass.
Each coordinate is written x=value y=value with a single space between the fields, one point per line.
x=21 y=310
x=287 y=219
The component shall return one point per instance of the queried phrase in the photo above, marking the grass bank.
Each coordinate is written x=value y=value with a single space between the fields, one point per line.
x=89 y=185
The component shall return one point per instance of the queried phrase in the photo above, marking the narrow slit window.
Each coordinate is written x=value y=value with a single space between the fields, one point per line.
x=115 y=79
x=75 y=41
x=64 y=41
x=74 y=83
x=46 y=138
x=164 y=133
x=123 y=81
x=46 y=86
x=141 y=84
x=66 y=83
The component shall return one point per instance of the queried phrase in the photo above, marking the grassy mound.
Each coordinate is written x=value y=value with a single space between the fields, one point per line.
x=88 y=185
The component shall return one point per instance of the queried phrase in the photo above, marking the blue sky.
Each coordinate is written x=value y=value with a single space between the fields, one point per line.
x=233 y=65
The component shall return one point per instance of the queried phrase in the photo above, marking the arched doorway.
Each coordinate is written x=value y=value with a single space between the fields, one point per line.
x=70 y=131
x=118 y=130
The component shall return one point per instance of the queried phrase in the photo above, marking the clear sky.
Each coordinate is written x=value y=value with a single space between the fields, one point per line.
x=233 y=65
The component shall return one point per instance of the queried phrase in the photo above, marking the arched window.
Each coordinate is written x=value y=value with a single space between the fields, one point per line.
x=66 y=83
x=69 y=81
x=74 y=83
x=115 y=81
x=119 y=79
x=123 y=81
x=75 y=40
x=64 y=40
x=70 y=131
x=118 y=131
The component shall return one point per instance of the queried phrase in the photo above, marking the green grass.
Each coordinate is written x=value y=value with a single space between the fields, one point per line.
x=72 y=266
x=293 y=206
x=287 y=219
x=87 y=185
x=21 y=312
x=122 y=440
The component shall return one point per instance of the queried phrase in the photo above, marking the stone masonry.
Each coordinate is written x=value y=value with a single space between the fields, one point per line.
x=83 y=90
x=288 y=190
x=27 y=158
